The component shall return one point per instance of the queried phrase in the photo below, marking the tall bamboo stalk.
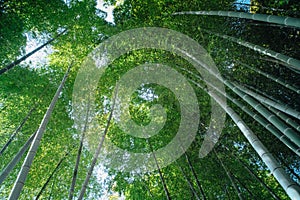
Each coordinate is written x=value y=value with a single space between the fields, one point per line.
x=253 y=174
x=72 y=188
x=255 y=116
x=17 y=129
x=284 y=117
x=168 y=196
x=15 y=160
x=287 y=21
x=19 y=183
x=189 y=182
x=284 y=108
x=291 y=188
x=96 y=155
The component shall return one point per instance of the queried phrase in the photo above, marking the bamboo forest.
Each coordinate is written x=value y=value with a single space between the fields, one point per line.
x=150 y=99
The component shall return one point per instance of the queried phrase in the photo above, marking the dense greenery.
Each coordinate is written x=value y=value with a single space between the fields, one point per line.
x=233 y=170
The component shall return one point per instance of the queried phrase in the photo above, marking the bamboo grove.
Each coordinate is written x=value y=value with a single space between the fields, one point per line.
x=45 y=155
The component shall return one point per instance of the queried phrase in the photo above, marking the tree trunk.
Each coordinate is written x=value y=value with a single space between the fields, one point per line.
x=17 y=188
x=15 y=63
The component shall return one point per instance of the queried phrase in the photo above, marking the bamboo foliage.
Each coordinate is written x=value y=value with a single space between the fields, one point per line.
x=19 y=183
x=287 y=21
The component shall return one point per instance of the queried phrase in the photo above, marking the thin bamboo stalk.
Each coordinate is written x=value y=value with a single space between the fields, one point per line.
x=15 y=160
x=284 y=108
x=292 y=62
x=287 y=21
x=271 y=77
x=253 y=174
x=189 y=182
x=168 y=196
x=96 y=155
x=51 y=175
x=19 y=183
x=17 y=129
x=72 y=188
x=15 y=63
x=255 y=116
x=290 y=187
x=229 y=176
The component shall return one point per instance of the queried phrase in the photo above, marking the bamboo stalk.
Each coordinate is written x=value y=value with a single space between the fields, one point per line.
x=271 y=77
x=292 y=62
x=19 y=183
x=16 y=159
x=255 y=116
x=284 y=108
x=287 y=21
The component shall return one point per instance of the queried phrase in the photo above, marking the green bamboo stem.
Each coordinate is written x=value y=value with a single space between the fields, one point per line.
x=15 y=160
x=256 y=117
x=96 y=155
x=292 y=62
x=284 y=117
x=189 y=182
x=290 y=187
x=287 y=21
x=271 y=77
x=229 y=176
x=284 y=108
x=253 y=174
x=19 y=183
